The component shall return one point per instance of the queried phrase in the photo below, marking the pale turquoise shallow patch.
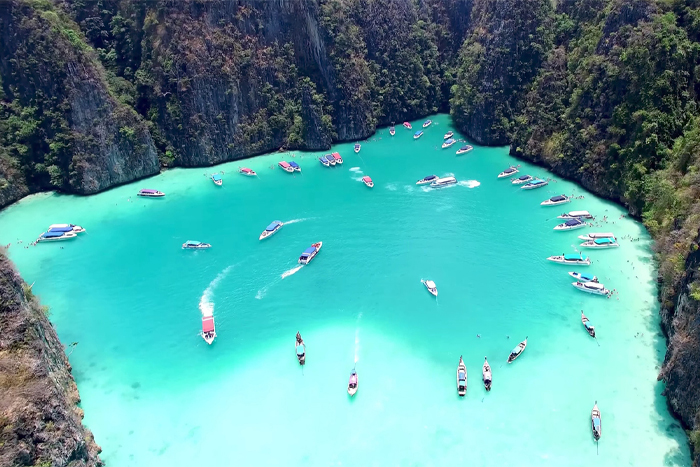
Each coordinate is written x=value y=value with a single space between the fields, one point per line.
x=155 y=394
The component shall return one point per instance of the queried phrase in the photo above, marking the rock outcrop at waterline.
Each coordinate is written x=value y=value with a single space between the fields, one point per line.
x=40 y=423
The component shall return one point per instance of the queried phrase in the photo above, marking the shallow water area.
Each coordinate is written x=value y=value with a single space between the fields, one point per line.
x=154 y=393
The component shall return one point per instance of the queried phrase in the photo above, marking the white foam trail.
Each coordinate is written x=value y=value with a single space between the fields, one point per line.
x=206 y=302
x=261 y=293
x=469 y=183
x=291 y=271
x=408 y=188
x=391 y=186
x=294 y=221
x=357 y=345
x=354 y=169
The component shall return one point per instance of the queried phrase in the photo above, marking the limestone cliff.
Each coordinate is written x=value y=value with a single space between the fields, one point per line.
x=40 y=423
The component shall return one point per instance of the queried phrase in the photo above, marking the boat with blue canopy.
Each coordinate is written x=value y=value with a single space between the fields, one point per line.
x=66 y=228
x=427 y=123
x=216 y=178
x=448 y=142
x=590 y=329
x=595 y=288
x=512 y=170
x=517 y=351
x=271 y=229
x=464 y=149
x=295 y=166
x=596 y=422
x=461 y=377
x=556 y=200
x=448 y=135
x=600 y=243
x=310 y=253
x=392 y=130
x=583 y=277
x=357 y=148
x=56 y=236
x=428 y=179
x=534 y=184
x=571 y=224
x=571 y=258
x=195 y=245
x=522 y=179
x=324 y=161
x=417 y=134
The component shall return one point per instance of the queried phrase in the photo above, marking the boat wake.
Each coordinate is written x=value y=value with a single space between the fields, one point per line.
x=355 y=169
x=391 y=186
x=261 y=293
x=206 y=302
x=357 y=338
x=294 y=221
x=469 y=183
x=291 y=271
x=408 y=188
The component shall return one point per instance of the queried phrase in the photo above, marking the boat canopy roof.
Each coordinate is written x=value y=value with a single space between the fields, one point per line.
x=324 y=158
x=336 y=154
x=245 y=169
x=588 y=277
x=300 y=350
x=357 y=145
x=558 y=198
x=588 y=325
x=579 y=213
x=427 y=121
x=430 y=284
x=516 y=350
x=464 y=148
x=596 y=422
x=294 y=164
x=52 y=234
x=207 y=324
x=216 y=177
x=419 y=132
x=594 y=285
x=604 y=241
x=536 y=182
x=61 y=229
x=273 y=226
x=366 y=179
x=573 y=222
x=148 y=190
x=193 y=242
x=524 y=177
x=430 y=177
x=573 y=256
x=284 y=164
x=462 y=376
x=309 y=250
x=450 y=140
x=510 y=169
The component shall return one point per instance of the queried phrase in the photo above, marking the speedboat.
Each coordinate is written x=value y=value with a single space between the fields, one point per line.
x=576 y=215
x=208 y=329
x=596 y=422
x=571 y=258
x=392 y=130
x=194 y=245
x=512 y=170
x=601 y=243
x=338 y=159
x=571 y=224
x=286 y=166
x=301 y=349
x=357 y=148
x=330 y=159
x=247 y=172
x=448 y=135
x=271 y=229
x=216 y=178
x=66 y=228
x=448 y=143
x=464 y=149
x=428 y=179
x=352 y=383
x=596 y=288
x=486 y=375
x=310 y=253
x=148 y=193
x=56 y=236
x=443 y=182
x=427 y=123
x=583 y=277
x=295 y=166
x=417 y=134
x=324 y=161
x=534 y=184
x=590 y=329
x=461 y=377
x=430 y=285
x=367 y=181
x=407 y=126
x=517 y=351
x=556 y=200
x=594 y=235
x=522 y=179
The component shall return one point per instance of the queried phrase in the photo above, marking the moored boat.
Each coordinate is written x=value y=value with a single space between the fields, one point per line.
x=357 y=148
x=417 y=134
x=195 y=245
x=461 y=377
x=208 y=329
x=464 y=149
x=392 y=130
x=443 y=182
x=594 y=235
x=427 y=123
x=595 y=288
x=576 y=215
x=338 y=159
x=324 y=161
x=247 y=172
x=352 y=383
x=448 y=143
x=428 y=179
x=600 y=243
x=430 y=285
x=271 y=229
x=295 y=166
x=367 y=181
x=571 y=258
x=583 y=277
x=148 y=193
x=486 y=375
x=556 y=200
x=310 y=253
x=522 y=179
x=66 y=228
x=517 y=351
x=534 y=184
x=216 y=178
x=596 y=422
x=590 y=329
x=56 y=236
x=286 y=166
x=512 y=170
x=571 y=224
x=407 y=126
x=448 y=135
x=300 y=349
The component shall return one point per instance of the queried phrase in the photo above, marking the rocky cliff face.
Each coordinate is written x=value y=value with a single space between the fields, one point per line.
x=40 y=423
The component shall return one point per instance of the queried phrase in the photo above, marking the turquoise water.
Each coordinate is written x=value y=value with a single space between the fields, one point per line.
x=154 y=393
